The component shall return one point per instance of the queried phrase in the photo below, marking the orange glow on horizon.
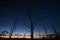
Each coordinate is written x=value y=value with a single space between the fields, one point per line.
x=35 y=37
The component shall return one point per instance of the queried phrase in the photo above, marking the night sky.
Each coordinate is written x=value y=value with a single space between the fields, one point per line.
x=47 y=10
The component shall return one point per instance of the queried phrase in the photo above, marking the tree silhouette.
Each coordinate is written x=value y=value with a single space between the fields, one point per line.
x=31 y=21
x=54 y=30
x=13 y=27
x=4 y=33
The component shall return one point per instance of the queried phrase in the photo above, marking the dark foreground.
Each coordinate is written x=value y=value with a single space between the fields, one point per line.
x=30 y=39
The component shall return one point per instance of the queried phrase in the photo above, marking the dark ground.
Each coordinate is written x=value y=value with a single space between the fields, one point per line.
x=30 y=39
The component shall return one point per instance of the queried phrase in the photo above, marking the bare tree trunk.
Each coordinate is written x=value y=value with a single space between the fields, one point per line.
x=31 y=26
x=39 y=35
x=31 y=21
x=13 y=27
x=45 y=31
x=54 y=30
x=24 y=35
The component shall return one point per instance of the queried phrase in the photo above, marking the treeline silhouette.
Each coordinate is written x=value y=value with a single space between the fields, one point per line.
x=49 y=37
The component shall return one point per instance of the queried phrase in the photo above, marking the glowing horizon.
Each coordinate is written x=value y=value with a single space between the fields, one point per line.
x=27 y=36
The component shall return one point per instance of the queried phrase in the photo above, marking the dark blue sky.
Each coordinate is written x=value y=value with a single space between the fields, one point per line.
x=48 y=12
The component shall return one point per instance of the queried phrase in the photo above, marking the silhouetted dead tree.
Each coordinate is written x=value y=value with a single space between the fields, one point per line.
x=31 y=21
x=24 y=35
x=31 y=25
x=39 y=34
x=4 y=33
x=12 y=30
x=54 y=29
x=45 y=30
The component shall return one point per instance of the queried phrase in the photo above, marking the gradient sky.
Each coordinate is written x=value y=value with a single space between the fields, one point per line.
x=47 y=10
